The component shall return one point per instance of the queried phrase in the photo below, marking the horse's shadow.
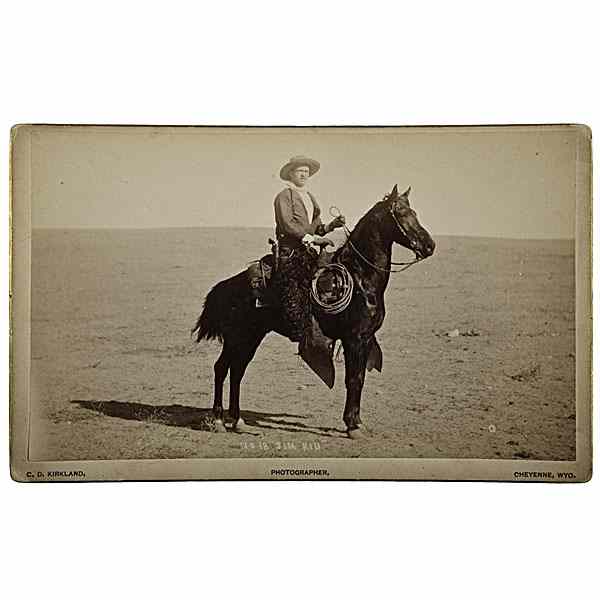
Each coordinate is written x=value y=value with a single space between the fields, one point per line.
x=202 y=419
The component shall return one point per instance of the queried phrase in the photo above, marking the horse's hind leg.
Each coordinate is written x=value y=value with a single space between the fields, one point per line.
x=221 y=368
x=245 y=353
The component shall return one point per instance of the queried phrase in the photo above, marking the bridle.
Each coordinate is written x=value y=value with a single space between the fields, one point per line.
x=334 y=211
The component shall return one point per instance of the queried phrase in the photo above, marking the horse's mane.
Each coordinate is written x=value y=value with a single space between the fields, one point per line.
x=375 y=212
x=366 y=223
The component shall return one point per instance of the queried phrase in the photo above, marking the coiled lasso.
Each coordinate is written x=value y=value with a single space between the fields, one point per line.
x=336 y=307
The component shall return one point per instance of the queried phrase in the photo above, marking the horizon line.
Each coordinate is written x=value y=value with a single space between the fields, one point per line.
x=245 y=227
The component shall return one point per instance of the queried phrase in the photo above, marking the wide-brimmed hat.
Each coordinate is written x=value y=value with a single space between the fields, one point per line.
x=299 y=161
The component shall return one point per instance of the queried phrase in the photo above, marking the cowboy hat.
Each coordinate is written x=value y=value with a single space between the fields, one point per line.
x=299 y=161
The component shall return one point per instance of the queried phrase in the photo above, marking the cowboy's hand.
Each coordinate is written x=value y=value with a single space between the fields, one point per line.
x=339 y=221
x=322 y=241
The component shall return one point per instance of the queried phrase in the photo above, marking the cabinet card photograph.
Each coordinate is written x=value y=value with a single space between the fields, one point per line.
x=301 y=303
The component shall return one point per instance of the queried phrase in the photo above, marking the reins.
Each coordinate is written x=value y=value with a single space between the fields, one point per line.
x=334 y=211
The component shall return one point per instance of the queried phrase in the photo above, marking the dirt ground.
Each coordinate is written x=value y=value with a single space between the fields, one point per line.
x=115 y=374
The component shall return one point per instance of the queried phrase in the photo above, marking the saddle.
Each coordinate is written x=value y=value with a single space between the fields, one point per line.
x=261 y=271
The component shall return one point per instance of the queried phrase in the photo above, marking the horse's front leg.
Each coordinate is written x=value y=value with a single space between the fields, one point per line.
x=355 y=357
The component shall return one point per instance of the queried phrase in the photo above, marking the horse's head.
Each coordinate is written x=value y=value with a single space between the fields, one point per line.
x=406 y=229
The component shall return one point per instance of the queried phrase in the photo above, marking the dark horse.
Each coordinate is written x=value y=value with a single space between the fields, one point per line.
x=230 y=315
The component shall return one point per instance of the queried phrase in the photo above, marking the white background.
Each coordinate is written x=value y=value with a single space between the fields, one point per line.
x=296 y=63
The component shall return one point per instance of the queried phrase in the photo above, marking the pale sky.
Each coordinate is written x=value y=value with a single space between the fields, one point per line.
x=507 y=182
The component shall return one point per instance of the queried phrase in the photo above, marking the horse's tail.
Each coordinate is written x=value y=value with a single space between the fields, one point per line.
x=209 y=324
x=217 y=307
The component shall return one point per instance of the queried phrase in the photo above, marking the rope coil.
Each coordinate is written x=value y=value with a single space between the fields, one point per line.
x=333 y=307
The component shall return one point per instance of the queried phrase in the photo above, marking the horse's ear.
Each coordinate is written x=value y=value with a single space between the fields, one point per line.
x=407 y=192
x=394 y=192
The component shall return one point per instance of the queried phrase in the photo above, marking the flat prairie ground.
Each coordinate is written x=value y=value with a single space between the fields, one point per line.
x=116 y=375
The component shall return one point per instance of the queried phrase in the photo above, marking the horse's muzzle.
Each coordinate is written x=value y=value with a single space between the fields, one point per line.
x=429 y=248
x=425 y=250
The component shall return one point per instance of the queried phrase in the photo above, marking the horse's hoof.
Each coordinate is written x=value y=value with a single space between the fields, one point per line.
x=357 y=434
x=240 y=426
x=220 y=426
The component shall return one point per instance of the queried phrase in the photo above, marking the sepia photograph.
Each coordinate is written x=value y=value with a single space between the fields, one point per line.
x=301 y=303
x=298 y=300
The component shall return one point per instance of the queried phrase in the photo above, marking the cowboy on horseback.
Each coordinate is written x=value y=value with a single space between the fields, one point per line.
x=299 y=231
x=230 y=315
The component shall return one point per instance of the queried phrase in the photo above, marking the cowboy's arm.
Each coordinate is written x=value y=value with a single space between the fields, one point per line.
x=325 y=229
x=320 y=231
x=320 y=228
x=288 y=221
